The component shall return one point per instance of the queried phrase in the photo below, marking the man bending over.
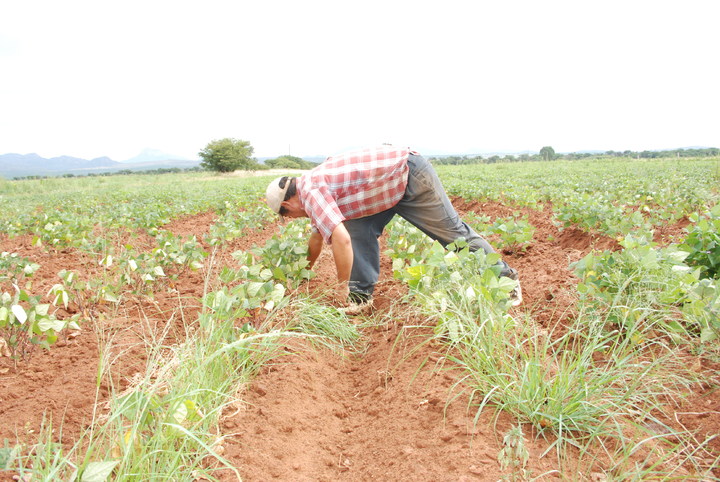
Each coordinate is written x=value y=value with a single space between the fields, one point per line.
x=351 y=197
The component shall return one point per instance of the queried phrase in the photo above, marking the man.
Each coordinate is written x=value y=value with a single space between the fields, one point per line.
x=351 y=197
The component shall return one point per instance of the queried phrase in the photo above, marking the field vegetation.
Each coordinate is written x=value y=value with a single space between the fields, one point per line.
x=168 y=327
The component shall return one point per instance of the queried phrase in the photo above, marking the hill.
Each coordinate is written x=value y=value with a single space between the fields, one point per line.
x=22 y=165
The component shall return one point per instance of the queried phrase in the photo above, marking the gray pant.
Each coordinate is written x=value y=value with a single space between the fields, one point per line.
x=426 y=206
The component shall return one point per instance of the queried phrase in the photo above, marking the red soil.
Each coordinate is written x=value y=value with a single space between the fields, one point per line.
x=394 y=411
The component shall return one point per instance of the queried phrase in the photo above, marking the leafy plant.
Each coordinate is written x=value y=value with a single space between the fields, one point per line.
x=236 y=221
x=26 y=323
x=513 y=454
x=285 y=256
x=239 y=301
x=407 y=245
x=514 y=233
x=175 y=250
x=453 y=272
x=7 y=455
x=703 y=242
x=14 y=268
x=641 y=276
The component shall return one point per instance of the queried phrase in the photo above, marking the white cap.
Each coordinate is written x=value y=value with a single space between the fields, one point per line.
x=275 y=195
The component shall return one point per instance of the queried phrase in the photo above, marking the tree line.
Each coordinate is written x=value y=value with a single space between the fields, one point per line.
x=122 y=172
x=547 y=153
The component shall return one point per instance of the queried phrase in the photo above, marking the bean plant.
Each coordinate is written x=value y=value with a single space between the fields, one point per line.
x=653 y=286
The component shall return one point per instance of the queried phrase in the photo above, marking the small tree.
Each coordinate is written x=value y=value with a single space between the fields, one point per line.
x=547 y=153
x=289 y=162
x=227 y=155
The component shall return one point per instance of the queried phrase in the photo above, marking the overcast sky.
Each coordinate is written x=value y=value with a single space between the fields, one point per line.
x=111 y=78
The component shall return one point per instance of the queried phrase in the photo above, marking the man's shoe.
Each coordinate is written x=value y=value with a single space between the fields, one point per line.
x=516 y=294
x=355 y=308
x=509 y=272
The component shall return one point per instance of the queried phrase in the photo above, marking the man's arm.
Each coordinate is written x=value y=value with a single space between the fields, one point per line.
x=343 y=254
x=315 y=244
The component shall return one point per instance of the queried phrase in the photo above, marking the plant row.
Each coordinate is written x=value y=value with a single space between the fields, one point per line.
x=594 y=387
x=611 y=197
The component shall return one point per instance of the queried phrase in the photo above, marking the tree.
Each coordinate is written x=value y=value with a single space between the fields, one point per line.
x=289 y=162
x=227 y=155
x=547 y=153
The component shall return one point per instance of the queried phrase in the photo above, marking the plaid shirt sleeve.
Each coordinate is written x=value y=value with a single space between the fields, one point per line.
x=325 y=211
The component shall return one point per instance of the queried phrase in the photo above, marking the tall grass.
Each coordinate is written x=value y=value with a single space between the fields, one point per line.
x=588 y=389
x=330 y=328
x=164 y=425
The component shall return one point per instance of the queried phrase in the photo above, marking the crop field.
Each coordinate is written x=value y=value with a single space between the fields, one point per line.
x=167 y=328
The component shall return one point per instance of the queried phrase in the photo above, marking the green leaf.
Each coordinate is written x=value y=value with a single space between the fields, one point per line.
x=110 y=298
x=42 y=310
x=253 y=288
x=675 y=326
x=278 y=293
x=708 y=334
x=46 y=324
x=416 y=271
x=180 y=413
x=98 y=471
x=19 y=313
x=279 y=274
x=7 y=456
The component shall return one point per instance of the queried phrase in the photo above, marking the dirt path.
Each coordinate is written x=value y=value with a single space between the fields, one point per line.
x=383 y=414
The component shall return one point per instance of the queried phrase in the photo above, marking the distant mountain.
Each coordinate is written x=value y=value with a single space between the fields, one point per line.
x=152 y=155
x=22 y=165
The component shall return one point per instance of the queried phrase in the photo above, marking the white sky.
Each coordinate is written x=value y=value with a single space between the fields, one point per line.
x=95 y=78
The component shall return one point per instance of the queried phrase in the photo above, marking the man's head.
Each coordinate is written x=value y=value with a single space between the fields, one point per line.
x=280 y=196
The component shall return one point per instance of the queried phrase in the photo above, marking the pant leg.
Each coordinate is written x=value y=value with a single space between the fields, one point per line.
x=364 y=233
x=426 y=206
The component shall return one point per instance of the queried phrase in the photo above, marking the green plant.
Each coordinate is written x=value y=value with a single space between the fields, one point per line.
x=703 y=242
x=7 y=455
x=330 y=327
x=241 y=300
x=26 y=323
x=513 y=454
x=284 y=257
x=406 y=243
x=514 y=233
x=13 y=268
x=234 y=221
x=175 y=250
x=625 y=283
x=227 y=155
x=455 y=272
x=582 y=387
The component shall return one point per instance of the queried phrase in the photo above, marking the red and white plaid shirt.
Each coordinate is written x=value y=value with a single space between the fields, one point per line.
x=353 y=185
